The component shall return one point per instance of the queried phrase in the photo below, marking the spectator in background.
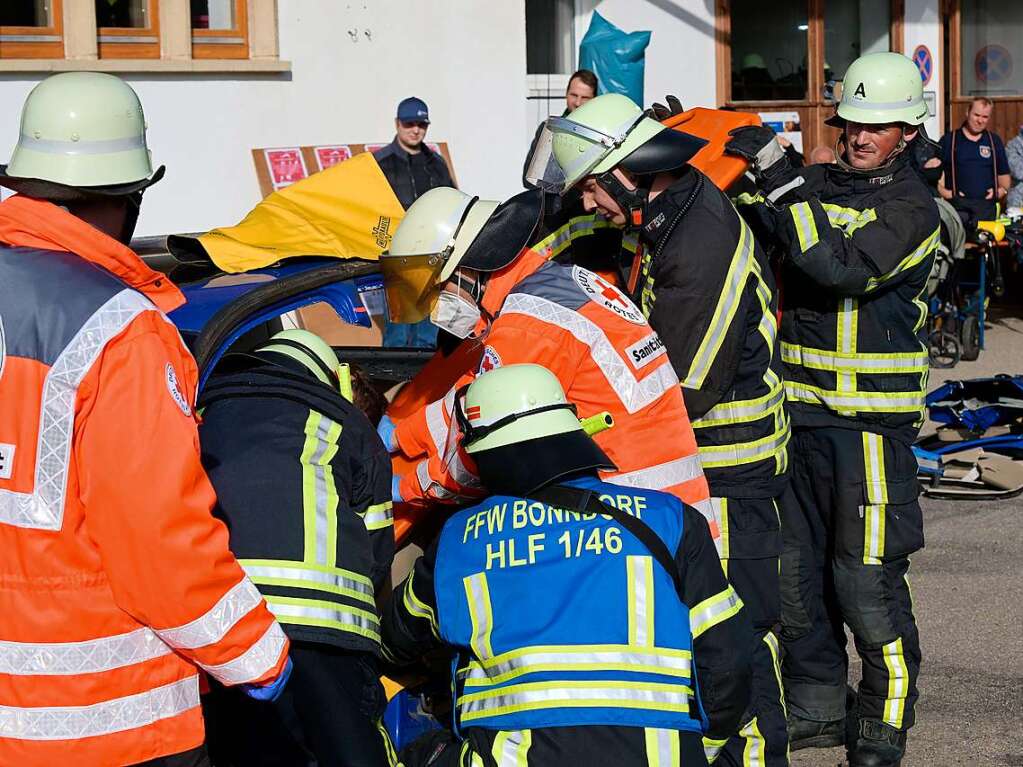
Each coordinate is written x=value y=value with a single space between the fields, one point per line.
x=976 y=175
x=412 y=168
x=582 y=86
x=822 y=155
x=1014 y=154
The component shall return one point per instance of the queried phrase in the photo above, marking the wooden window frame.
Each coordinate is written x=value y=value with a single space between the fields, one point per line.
x=41 y=48
x=132 y=42
x=221 y=44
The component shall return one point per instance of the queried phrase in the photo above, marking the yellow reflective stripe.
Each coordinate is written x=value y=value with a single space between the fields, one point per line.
x=475 y=760
x=772 y=645
x=921 y=252
x=712 y=747
x=898 y=683
x=724 y=312
x=511 y=748
x=806 y=227
x=721 y=515
x=848 y=219
x=417 y=608
x=640 y=576
x=745 y=411
x=300 y=568
x=714 y=610
x=662 y=747
x=557 y=241
x=319 y=494
x=477 y=595
x=323 y=614
x=300 y=583
x=858 y=362
x=745 y=198
x=877 y=497
x=392 y=755
x=716 y=456
x=378 y=516
x=530 y=696
x=753 y=750
x=862 y=402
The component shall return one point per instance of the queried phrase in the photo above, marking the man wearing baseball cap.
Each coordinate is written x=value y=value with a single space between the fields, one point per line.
x=412 y=168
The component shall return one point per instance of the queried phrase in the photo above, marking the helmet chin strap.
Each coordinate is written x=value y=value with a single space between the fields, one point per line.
x=633 y=202
x=841 y=146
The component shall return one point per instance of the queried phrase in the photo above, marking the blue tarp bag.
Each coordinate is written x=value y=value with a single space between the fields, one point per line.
x=615 y=56
x=979 y=403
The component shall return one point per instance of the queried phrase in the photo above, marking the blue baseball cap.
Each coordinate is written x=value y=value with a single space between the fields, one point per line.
x=413 y=110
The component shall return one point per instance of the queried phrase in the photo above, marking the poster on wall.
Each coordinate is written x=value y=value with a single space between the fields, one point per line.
x=374 y=147
x=786 y=125
x=329 y=156
x=286 y=166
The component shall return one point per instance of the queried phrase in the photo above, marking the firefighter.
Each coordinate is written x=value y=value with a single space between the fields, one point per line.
x=857 y=241
x=118 y=582
x=462 y=261
x=708 y=291
x=304 y=485
x=581 y=613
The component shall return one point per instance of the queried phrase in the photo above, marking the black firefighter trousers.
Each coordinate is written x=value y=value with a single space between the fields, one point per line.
x=850 y=521
x=749 y=544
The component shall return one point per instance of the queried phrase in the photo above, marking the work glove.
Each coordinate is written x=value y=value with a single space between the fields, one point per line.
x=396 y=490
x=268 y=693
x=758 y=145
x=386 y=429
x=661 y=112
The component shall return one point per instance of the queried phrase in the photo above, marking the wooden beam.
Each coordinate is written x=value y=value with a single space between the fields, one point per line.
x=897 y=32
x=723 y=51
x=175 y=30
x=80 y=40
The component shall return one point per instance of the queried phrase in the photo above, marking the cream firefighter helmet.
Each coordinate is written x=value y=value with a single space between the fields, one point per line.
x=82 y=134
x=881 y=88
x=444 y=229
x=522 y=431
x=307 y=349
x=602 y=134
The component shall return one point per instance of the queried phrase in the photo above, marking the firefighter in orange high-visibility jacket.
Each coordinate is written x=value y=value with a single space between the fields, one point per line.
x=464 y=263
x=116 y=582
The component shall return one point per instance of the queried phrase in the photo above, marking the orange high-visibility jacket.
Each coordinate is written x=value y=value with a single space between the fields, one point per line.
x=116 y=583
x=599 y=345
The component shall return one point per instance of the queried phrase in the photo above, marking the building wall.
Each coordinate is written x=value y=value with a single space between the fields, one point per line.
x=467 y=60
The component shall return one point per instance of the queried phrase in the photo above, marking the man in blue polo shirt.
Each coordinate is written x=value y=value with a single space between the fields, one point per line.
x=976 y=168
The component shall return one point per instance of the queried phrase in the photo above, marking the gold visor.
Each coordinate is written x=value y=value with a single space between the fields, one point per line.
x=411 y=285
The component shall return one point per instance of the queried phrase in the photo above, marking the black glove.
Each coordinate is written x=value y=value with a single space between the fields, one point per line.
x=660 y=112
x=756 y=143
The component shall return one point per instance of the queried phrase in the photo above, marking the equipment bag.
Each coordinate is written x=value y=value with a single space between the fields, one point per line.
x=979 y=403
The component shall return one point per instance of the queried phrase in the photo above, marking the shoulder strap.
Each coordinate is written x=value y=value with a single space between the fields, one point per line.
x=587 y=502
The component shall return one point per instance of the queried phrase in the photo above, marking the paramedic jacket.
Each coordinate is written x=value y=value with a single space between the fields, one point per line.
x=857 y=249
x=707 y=289
x=566 y=621
x=304 y=484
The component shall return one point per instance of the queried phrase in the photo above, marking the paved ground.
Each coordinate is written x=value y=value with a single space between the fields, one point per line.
x=968 y=591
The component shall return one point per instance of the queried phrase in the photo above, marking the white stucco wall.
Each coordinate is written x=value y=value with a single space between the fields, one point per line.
x=465 y=59
x=923 y=27
x=680 y=57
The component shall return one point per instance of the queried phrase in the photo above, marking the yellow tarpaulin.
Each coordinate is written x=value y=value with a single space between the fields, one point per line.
x=347 y=211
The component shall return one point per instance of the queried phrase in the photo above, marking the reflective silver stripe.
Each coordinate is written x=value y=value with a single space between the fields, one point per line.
x=806 y=226
x=255 y=662
x=379 y=516
x=893 y=402
x=43 y=508
x=481 y=614
x=437 y=423
x=90 y=656
x=921 y=252
x=320 y=506
x=511 y=748
x=55 y=723
x=210 y=628
x=858 y=362
x=887 y=106
x=332 y=578
x=705 y=507
x=322 y=613
x=588 y=658
x=713 y=456
x=711 y=748
x=72 y=148
x=662 y=747
x=429 y=488
x=640 y=576
x=634 y=394
x=588 y=693
x=662 y=475
x=724 y=312
x=713 y=610
x=743 y=410
x=784 y=189
x=579 y=226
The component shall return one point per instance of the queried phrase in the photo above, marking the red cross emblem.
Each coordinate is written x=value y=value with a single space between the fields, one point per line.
x=610 y=292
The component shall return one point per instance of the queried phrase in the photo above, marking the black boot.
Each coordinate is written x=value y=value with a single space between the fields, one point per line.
x=877 y=745
x=806 y=733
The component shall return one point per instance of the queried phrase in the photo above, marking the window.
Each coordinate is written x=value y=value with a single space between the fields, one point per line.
x=991 y=39
x=31 y=29
x=219 y=29
x=852 y=29
x=769 y=50
x=128 y=29
x=550 y=37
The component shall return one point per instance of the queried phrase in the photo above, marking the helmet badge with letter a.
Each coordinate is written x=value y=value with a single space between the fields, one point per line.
x=860 y=92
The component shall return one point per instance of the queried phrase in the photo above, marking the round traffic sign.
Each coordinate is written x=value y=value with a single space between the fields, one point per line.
x=993 y=64
x=924 y=62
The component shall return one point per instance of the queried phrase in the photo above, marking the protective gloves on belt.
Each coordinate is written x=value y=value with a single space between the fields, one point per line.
x=268 y=693
x=386 y=429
